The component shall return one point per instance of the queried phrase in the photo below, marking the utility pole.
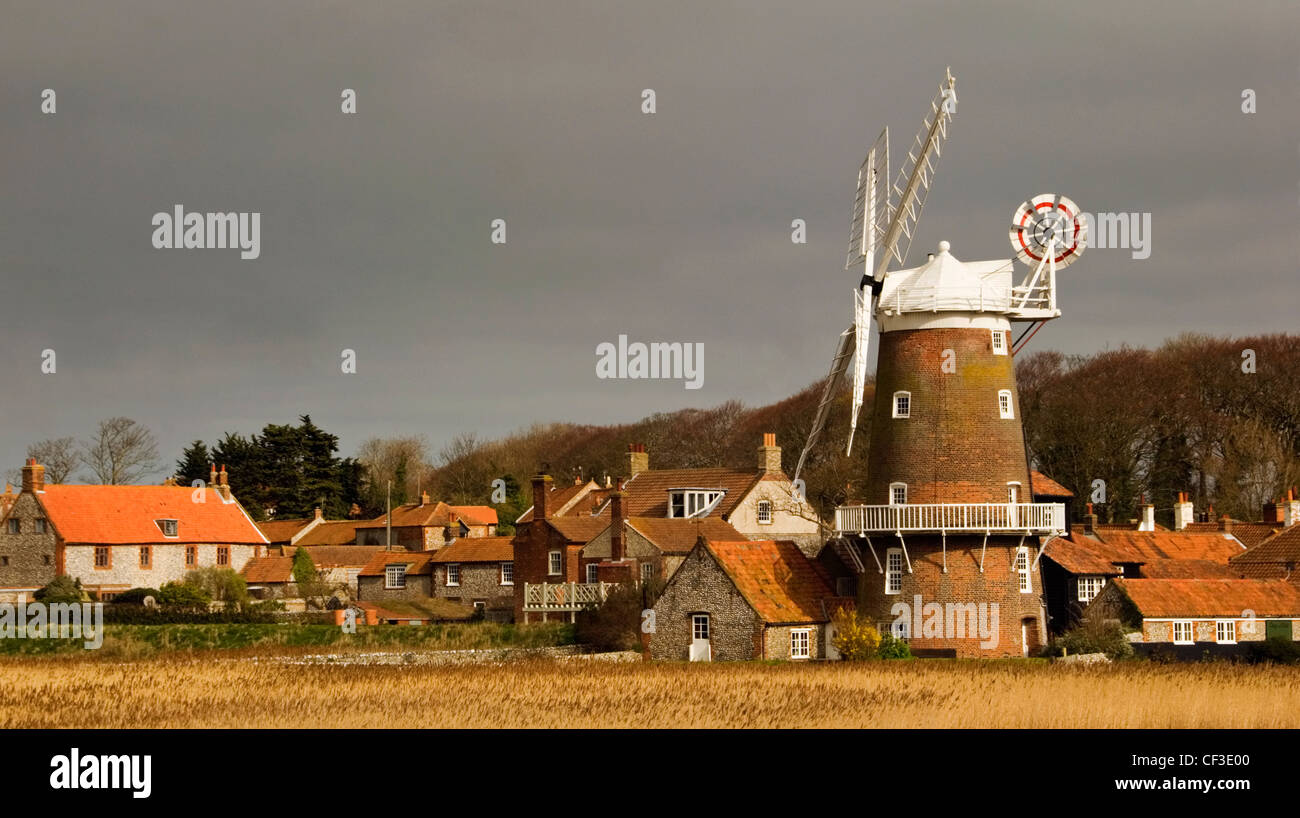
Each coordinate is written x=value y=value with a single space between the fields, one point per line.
x=388 y=518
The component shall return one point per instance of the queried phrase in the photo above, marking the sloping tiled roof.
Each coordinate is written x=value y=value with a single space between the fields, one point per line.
x=1211 y=597
x=776 y=579
x=338 y=556
x=1078 y=558
x=412 y=514
x=679 y=535
x=646 y=494
x=259 y=570
x=476 y=515
x=477 y=549
x=561 y=497
x=417 y=563
x=1280 y=548
x=1188 y=569
x=580 y=529
x=1045 y=486
x=1142 y=546
x=331 y=532
x=126 y=515
x=282 y=531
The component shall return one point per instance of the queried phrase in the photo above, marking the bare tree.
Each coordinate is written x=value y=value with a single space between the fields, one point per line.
x=403 y=460
x=59 y=457
x=121 y=451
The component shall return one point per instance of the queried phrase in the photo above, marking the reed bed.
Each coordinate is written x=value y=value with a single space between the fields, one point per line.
x=238 y=691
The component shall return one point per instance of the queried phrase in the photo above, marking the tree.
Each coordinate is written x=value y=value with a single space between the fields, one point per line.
x=304 y=570
x=403 y=460
x=219 y=584
x=121 y=451
x=59 y=457
x=195 y=464
x=62 y=589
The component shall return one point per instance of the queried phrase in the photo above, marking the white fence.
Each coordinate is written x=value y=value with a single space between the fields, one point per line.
x=564 y=596
x=1018 y=517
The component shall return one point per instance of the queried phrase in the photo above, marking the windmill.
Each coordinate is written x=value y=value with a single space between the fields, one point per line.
x=883 y=219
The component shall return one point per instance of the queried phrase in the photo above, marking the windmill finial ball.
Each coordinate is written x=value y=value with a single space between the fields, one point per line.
x=943 y=246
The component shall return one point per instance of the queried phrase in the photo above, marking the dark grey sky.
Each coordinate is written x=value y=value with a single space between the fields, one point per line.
x=669 y=227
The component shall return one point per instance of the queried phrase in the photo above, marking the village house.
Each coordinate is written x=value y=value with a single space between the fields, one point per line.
x=338 y=566
x=478 y=571
x=270 y=577
x=396 y=574
x=114 y=538
x=1275 y=557
x=1202 y=613
x=747 y=599
x=657 y=545
x=426 y=525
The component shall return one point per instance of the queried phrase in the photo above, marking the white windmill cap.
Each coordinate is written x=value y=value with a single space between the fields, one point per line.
x=946 y=283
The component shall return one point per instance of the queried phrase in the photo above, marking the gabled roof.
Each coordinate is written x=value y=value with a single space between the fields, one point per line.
x=1161 y=554
x=261 y=570
x=1163 y=598
x=417 y=563
x=1280 y=549
x=283 y=531
x=338 y=556
x=565 y=500
x=126 y=515
x=330 y=532
x=412 y=514
x=646 y=493
x=579 y=529
x=1041 y=485
x=679 y=535
x=476 y=515
x=776 y=579
x=477 y=549
x=1078 y=558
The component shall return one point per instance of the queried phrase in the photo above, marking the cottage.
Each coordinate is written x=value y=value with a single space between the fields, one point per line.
x=114 y=538
x=396 y=575
x=270 y=577
x=1275 y=557
x=759 y=599
x=426 y=525
x=339 y=566
x=479 y=571
x=1202 y=612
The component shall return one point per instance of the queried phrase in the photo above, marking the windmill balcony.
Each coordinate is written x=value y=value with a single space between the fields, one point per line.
x=975 y=518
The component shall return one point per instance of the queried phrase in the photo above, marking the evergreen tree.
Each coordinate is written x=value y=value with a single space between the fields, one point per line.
x=194 y=464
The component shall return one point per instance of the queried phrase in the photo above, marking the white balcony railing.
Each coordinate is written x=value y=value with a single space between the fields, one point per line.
x=938 y=517
x=564 y=596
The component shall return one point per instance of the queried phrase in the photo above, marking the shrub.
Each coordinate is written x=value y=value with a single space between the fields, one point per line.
x=136 y=596
x=61 y=589
x=220 y=584
x=1096 y=635
x=855 y=638
x=1274 y=649
x=304 y=570
x=615 y=625
x=891 y=647
x=183 y=595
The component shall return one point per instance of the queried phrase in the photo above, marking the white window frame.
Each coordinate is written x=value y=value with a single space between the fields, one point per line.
x=1023 y=569
x=801 y=643
x=647 y=571
x=690 y=502
x=893 y=571
x=1006 y=406
x=1089 y=585
x=1013 y=493
x=173 y=525
x=893 y=488
x=1183 y=624
x=999 y=342
x=905 y=397
x=593 y=573
x=700 y=624
x=763 y=512
x=554 y=563
x=508 y=568
x=453 y=568
x=1228 y=625
x=397 y=570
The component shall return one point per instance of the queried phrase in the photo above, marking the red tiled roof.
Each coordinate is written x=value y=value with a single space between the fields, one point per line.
x=679 y=535
x=1211 y=597
x=1280 y=548
x=565 y=500
x=1119 y=545
x=1045 y=486
x=338 y=556
x=282 y=531
x=477 y=549
x=412 y=514
x=417 y=562
x=776 y=579
x=1188 y=569
x=579 y=529
x=1078 y=558
x=261 y=570
x=331 y=532
x=646 y=494
x=476 y=515
x=126 y=515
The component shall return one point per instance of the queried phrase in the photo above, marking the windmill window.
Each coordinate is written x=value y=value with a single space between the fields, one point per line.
x=1022 y=568
x=897 y=494
x=894 y=571
x=999 y=342
x=1004 y=404
x=902 y=404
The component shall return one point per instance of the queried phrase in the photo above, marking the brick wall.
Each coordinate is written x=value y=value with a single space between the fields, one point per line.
x=701 y=586
x=955 y=447
x=31 y=556
x=532 y=544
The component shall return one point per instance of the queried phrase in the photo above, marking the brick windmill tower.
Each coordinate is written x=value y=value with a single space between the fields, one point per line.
x=943 y=547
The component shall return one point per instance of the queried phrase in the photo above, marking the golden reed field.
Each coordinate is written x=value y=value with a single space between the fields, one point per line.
x=182 y=691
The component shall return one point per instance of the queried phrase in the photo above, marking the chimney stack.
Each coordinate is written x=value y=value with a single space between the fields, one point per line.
x=769 y=455
x=1292 y=508
x=212 y=476
x=33 y=477
x=223 y=486
x=1225 y=524
x=1148 y=522
x=1090 y=521
x=424 y=498
x=637 y=459
x=320 y=515
x=1184 y=513
x=541 y=490
x=617 y=531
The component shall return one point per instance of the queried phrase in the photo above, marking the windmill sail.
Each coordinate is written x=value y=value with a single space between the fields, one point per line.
x=843 y=353
x=862 y=345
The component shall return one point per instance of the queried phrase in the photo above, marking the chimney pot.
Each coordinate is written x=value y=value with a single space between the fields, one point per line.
x=319 y=514
x=769 y=455
x=637 y=459
x=33 y=476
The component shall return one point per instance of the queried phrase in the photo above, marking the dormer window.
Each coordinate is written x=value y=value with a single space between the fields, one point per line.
x=692 y=502
x=902 y=404
x=169 y=528
x=999 y=342
x=1004 y=404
